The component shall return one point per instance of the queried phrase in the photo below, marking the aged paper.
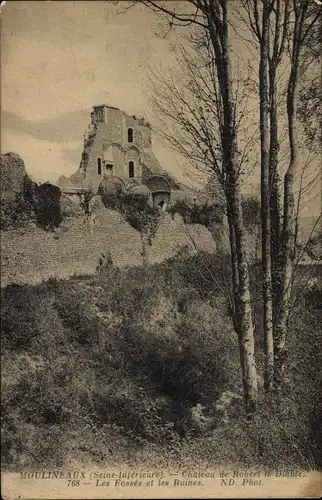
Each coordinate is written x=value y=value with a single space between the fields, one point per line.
x=163 y=484
x=161 y=249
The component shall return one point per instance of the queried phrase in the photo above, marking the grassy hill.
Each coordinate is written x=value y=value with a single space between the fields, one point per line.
x=141 y=365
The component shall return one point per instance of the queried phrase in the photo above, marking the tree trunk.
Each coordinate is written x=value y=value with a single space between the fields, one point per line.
x=234 y=267
x=275 y=202
x=265 y=204
x=242 y=297
x=145 y=245
x=287 y=254
x=281 y=327
x=288 y=224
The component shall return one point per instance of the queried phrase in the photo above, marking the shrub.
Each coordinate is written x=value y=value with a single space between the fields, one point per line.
x=18 y=212
x=194 y=214
x=48 y=206
x=22 y=311
x=136 y=210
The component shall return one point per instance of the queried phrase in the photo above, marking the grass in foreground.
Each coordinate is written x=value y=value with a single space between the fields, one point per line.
x=141 y=366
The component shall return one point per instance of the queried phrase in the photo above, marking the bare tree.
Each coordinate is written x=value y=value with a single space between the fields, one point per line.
x=267 y=21
x=263 y=21
x=210 y=123
x=281 y=30
x=300 y=31
x=265 y=194
x=207 y=111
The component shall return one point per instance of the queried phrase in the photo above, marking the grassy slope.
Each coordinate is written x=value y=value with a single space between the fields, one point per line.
x=139 y=365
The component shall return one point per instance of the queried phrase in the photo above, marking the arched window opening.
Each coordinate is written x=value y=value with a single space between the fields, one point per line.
x=131 y=168
x=99 y=166
x=130 y=135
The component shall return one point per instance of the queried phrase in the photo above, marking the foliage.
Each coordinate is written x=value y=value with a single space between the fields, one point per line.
x=309 y=102
x=251 y=212
x=16 y=213
x=310 y=112
x=314 y=247
x=173 y=183
x=194 y=214
x=21 y=209
x=136 y=210
x=48 y=206
x=39 y=204
x=132 y=364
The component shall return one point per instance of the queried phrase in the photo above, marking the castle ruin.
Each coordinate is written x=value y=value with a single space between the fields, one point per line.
x=117 y=145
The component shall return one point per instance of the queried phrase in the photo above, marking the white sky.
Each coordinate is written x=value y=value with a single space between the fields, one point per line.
x=58 y=59
x=61 y=58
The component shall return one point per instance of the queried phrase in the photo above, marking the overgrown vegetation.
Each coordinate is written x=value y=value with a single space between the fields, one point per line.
x=205 y=214
x=48 y=206
x=20 y=208
x=136 y=210
x=33 y=204
x=314 y=247
x=142 y=364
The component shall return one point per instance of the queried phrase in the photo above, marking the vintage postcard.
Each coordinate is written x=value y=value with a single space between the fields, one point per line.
x=161 y=264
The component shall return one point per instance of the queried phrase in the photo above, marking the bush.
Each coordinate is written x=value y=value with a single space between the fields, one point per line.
x=20 y=211
x=48 y=206
x=194 y=214
x=22 y=312
x=136 y=210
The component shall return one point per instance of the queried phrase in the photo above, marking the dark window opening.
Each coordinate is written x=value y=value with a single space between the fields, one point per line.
x=109 y=168
x=99 y=166
x=131 y=168
x=130 y=135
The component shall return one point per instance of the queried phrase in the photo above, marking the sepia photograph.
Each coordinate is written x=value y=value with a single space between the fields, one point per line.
x=161 y=249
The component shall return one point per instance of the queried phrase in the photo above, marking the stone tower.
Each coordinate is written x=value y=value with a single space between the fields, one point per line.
x=116 y=144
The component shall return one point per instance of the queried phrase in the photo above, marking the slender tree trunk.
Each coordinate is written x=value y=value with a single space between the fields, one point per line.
x=243 y=306
x=287 y=254
x=236 y=312
x=275 y=203
x=234 y=267
x=236 y=298
x=265 y=204
x=288 y=232
x=286 y=281
x=145 y=245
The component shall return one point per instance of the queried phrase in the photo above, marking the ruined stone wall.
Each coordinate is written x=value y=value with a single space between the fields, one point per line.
x=96 y=151
x=134 y=155
x=141 y=132
x=75 y=248
x=146 y=135
x=115 y=155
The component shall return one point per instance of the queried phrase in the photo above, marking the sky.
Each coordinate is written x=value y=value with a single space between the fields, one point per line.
x=60 y=58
